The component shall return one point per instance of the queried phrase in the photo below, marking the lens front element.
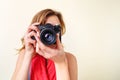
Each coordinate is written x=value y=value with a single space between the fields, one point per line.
x=48 y=36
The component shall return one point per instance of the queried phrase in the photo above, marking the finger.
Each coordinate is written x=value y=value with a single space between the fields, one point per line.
x=35 y=24
x=43 y=47
x=31 y=34
x=58 y=43
x=33 y=27
x=32 y=41
x=39 y=43
x=38 y=50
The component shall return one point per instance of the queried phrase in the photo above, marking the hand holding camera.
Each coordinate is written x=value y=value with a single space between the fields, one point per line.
x=27 y=41
x=41 y=37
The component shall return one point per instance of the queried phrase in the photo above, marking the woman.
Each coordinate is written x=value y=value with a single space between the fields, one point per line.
x=37 y=61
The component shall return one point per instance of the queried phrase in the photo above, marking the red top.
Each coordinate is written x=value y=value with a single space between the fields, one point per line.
x=42 y=69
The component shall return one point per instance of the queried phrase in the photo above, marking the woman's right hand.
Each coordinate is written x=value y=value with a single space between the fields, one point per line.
x=30 y=43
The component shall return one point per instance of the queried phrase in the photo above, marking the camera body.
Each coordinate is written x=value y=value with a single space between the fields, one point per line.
x=48 y=33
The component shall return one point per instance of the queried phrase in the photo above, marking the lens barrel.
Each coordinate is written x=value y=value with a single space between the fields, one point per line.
x=48 y=33
x=48 y=36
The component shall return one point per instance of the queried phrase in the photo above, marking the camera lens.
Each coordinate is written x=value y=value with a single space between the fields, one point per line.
x=48 y=36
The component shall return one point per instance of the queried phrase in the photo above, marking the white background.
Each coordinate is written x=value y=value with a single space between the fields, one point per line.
x=93 y=34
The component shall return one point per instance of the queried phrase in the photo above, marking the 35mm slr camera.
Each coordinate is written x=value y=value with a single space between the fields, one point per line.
x=48 y=33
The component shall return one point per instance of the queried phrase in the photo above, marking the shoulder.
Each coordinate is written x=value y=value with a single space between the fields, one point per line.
x=71 y=60
x=72 y=65
x=70 y=57
x=18 y=63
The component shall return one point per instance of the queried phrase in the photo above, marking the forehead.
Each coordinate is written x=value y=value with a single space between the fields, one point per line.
x=53 y=20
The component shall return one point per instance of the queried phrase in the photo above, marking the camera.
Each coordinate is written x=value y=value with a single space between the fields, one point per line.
x=48 y=33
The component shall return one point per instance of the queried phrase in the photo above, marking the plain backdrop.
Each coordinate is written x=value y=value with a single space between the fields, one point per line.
x=93 y=34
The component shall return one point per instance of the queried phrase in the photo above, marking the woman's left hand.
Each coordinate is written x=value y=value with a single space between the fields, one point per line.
x=56 y=54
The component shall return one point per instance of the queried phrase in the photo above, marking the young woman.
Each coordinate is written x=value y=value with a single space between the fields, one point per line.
x=37 y=61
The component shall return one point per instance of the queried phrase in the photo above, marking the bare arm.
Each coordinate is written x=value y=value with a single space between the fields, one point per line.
x=72 y=66
x=18 y=64
x=23 y=72
x=22 y=66
x=25 y=55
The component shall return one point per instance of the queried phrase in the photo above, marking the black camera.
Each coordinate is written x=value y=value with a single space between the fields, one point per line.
x=48 y=33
